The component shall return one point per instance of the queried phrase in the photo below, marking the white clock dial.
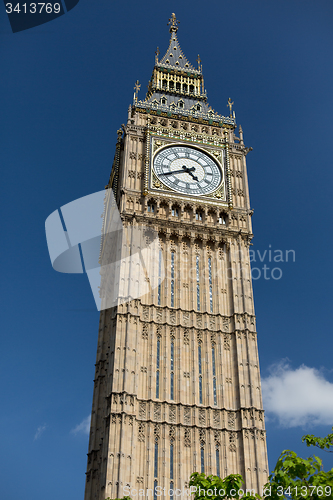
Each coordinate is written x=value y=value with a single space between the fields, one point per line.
x=187 y=170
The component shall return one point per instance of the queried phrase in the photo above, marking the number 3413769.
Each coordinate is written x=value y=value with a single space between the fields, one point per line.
x=33 y=8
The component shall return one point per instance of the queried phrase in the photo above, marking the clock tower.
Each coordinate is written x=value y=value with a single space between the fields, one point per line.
x=177 y=385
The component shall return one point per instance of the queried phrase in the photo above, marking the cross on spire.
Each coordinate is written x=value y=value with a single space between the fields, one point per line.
x=173 y=23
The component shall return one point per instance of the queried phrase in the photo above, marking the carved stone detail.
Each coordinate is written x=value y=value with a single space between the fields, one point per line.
x=187 y=438
x=141 y=432
x=172 y=413
x=187 y=415
x=142 y=409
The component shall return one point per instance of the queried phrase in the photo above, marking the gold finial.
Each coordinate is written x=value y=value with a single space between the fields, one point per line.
x=137 y=87
x=173 y=23
x=230 y=103
x=157 y=53
x=199 y=65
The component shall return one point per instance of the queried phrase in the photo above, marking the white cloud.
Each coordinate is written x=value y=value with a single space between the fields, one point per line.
x=298 y=397
x=39 y=431
x=83 y=427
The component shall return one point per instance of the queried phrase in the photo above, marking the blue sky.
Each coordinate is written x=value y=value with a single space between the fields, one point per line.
x=65 y=89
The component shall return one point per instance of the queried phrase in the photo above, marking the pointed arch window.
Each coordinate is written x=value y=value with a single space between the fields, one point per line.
x=214 y=376
x=156 y=460
x=198 y=282
x=202 y=459
x=172 y=373
x=175 y=211
x=172 y=284
x=200 y=373
x=158 y=353
x=217 y=462
x=222 y=219
x=210 y=284
x=159 y=277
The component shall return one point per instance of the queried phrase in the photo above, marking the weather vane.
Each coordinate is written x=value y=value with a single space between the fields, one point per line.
x=173 y=23
x=137 y=87
x=230 y=103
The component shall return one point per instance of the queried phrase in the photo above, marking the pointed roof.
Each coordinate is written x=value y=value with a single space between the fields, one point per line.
x=174 y=56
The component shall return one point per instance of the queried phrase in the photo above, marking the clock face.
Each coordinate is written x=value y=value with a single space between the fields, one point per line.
x=187 y=170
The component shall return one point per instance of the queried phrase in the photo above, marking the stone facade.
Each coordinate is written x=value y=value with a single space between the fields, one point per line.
x=177 y=386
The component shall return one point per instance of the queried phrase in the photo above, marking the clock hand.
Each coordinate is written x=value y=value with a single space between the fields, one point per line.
x=174 y=172
x=193 y=176
x=185 y=169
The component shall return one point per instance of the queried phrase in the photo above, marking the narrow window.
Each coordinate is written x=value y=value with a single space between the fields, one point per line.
x=181 y=104
x=184 y=87
x=214 y=391
x=171 y=461
x=200 y=389
x=198 y=282
x=191 y=89
x=222 y=219
x=198 y=216
x=198 y=107
x=202 y=453
x=172 y=279
x=172 y=371
x=171 y=85
x=156 y=461
x=155 y=492
x=210 y=284
x=171 y=491
x=199 y=359
x=174 y=212
x=214 y=376
x=200 y=374
x=217 y=462
x=151 y=208
x=164 y=84
x=158 y=369
x=178 y=86
x=159 y=277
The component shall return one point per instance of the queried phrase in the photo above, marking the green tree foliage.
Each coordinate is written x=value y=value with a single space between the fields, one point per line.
x=325 y=443
x=293 y=478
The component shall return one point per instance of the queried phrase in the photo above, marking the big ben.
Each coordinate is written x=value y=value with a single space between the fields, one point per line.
x=177 y=384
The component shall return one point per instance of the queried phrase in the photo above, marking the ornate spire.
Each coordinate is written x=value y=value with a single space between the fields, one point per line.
x=174 y=56
x=173 y=23
x=177 y=87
